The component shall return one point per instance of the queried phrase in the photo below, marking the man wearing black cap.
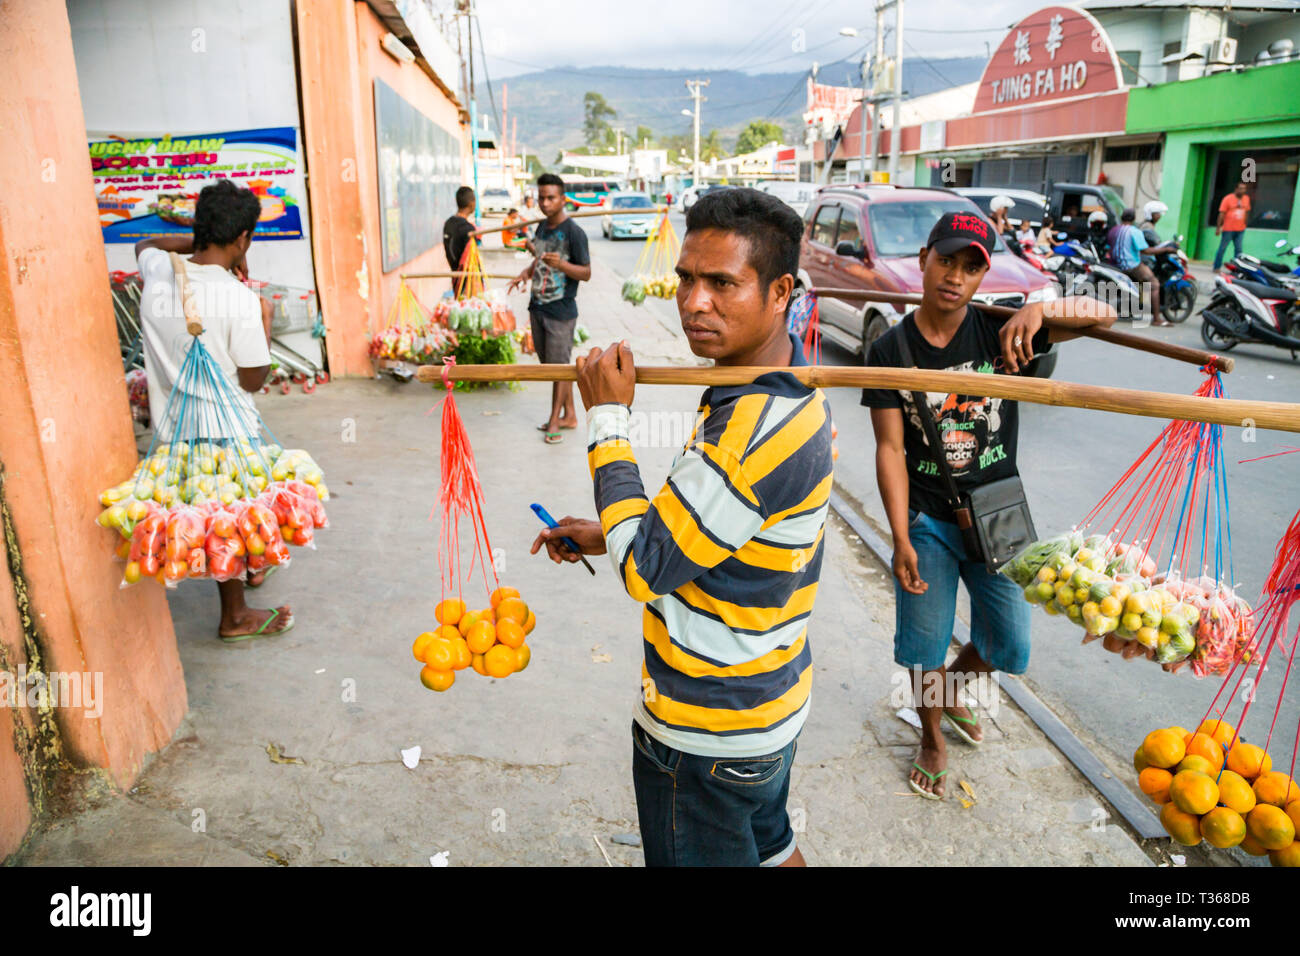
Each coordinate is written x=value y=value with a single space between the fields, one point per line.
x=978 y=437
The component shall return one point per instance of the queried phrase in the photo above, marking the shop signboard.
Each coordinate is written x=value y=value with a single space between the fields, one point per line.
x=1053 y=54
x=147 y=186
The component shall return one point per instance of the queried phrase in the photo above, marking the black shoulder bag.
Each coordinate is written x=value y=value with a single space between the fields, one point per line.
x=994 y=518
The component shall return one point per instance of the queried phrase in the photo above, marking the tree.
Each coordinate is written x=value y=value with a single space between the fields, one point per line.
x=757 y=135
x=710 y=147
x=644 y=137
x=595 y=123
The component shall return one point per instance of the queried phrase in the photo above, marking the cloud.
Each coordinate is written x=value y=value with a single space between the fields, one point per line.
x=521 y=36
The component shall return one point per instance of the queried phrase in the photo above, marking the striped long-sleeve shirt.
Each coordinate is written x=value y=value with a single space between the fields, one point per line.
x=726 y=558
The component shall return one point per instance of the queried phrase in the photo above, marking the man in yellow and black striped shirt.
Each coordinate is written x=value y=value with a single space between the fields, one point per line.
x=726 y=556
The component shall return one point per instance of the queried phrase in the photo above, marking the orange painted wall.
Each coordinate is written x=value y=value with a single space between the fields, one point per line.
x=65 y=426
x=339 y=55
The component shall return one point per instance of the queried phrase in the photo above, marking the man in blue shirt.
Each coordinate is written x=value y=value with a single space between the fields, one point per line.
x=1126 y=245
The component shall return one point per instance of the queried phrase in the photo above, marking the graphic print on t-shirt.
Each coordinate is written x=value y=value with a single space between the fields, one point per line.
x=548 y=283
x=969 y=427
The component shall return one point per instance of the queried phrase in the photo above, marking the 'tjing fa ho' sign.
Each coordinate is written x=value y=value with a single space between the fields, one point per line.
x=1054 y=53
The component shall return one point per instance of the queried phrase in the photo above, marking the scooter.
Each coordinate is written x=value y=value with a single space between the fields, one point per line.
x=1081 y=272
x=1177 y=288
x=1273 y=274
x=1242 y=311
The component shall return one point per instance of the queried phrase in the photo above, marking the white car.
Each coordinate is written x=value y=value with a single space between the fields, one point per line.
x=495 y=201
x=633 y=216
x=796 y=195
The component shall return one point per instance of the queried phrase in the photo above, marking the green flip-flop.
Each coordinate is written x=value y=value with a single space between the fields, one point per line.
x=932 y=777
x=261 y=631
x=956 y=723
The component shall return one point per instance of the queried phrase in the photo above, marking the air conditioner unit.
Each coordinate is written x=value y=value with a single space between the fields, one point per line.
x=1223 y=51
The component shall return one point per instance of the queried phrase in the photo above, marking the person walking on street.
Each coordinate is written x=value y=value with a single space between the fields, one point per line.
x=236 y=332
x=1127 y=243
x=458 y=228
x=562 y=261
x=978 y=436
x=726 y=556
x=1231 y=226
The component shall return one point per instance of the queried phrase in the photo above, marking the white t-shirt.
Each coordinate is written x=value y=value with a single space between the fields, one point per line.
x=233 y=335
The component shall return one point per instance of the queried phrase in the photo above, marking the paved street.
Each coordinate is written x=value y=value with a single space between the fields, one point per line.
x=535 y=769
x=1069 y=458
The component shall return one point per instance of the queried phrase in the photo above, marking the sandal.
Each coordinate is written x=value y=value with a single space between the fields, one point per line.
x=545 y=426
x=553 y=438
x=956 y=723
x=261 y=631
x=932 y=777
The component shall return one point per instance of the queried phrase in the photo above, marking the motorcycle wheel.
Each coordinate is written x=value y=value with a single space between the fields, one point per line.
x=1215 y=339
x=1178 y=304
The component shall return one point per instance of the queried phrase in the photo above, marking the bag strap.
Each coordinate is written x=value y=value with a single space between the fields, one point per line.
x=933 y=442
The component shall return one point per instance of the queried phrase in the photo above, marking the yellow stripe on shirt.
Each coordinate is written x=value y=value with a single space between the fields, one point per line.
x=738 y=617
x=775 y=557
x=776 y=448
x=718 y=719
x=684 y=662
x=620 y=511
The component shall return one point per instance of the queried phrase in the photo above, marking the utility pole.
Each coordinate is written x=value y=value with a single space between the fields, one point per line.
x=896 y=134
x=695 y=86
x=875 y=75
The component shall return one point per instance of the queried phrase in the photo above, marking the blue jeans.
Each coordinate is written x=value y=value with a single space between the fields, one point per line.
x=1224 y=238
x=1000 y=615
x=708 y=811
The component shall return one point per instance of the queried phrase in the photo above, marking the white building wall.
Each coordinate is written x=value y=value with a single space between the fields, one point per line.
x=192 y=66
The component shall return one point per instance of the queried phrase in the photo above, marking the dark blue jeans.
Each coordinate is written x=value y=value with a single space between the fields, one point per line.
x=711 y=811
x=1224 y=238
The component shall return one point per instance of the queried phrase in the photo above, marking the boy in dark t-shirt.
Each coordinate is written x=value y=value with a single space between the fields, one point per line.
x=979 y=436
x=456 y=231
x=562 y=262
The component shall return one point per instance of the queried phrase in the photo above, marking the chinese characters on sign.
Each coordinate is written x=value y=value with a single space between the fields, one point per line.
x=1053 y=53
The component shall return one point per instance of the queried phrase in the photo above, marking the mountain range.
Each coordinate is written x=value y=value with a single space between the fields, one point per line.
x=549 y=109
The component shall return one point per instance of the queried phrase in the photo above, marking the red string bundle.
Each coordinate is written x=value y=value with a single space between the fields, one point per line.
x=460 y=494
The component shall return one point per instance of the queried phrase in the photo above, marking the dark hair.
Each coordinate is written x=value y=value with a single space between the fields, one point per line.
x=512 y=211
x=771 y=228
x=550 y=179
x=223 y=213
x=1128 y=215
x=464 y=196
x=1047 y=219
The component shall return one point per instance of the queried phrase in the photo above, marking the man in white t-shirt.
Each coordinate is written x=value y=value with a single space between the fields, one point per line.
x=236 y=333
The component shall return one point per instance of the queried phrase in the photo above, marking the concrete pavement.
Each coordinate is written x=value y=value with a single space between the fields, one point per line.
x=534 y=769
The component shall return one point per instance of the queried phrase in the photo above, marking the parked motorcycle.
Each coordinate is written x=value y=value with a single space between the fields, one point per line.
x=1264 y=272
x=1177 y=287
x=1249 y=312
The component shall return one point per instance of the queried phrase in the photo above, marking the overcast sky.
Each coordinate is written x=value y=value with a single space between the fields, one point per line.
x=756 y=36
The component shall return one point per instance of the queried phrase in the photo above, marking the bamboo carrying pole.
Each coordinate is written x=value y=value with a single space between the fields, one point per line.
x=573 y=215
x=1154 y=346
x=455 y=275
x=1279 y=416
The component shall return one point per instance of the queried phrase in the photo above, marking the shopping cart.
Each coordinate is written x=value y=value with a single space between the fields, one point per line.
x=126 y=310
x=294 y=310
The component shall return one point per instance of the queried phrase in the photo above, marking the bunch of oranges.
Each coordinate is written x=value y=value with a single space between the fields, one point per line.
x=1223 y=792
x=491 y=640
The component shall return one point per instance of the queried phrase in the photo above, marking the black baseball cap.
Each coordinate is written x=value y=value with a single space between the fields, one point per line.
x=956 y=230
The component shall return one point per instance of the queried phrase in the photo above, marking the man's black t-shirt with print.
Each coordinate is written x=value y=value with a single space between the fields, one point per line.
x=455 y=237
x=979 y=433
x=553 y=292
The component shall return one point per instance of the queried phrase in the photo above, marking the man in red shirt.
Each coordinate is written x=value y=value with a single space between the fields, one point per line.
x=1232 y=222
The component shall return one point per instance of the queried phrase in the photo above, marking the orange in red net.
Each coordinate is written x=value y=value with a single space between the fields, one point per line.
x=490 y=640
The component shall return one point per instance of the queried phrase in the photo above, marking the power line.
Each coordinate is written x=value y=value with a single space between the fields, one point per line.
x=482 y=52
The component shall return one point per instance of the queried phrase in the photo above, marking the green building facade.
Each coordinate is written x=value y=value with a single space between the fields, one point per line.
x=1218 y=130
